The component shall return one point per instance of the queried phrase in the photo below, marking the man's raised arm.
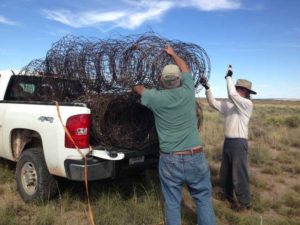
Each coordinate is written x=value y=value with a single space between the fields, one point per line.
x=179 y=61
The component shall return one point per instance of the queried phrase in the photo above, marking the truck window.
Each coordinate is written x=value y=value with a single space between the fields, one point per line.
x=34 y=88
x=17 y=91
x=29 y=88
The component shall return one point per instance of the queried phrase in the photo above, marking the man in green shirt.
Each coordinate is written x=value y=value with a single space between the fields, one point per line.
x=182 y=160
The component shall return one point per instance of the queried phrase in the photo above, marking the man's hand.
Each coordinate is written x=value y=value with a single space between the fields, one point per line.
x=139 y=89
x=229 y=72
x=169 y=50
x=178 y=60
x=204 y=82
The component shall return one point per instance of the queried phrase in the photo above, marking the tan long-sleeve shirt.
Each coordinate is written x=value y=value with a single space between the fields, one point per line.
x=237 y=111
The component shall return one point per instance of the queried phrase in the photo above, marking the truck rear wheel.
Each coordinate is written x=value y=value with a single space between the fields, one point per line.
x=34 y=182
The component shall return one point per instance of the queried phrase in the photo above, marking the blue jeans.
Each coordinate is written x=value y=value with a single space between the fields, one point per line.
x=193 y=170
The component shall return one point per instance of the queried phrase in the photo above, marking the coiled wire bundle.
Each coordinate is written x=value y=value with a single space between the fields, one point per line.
x=107 y=70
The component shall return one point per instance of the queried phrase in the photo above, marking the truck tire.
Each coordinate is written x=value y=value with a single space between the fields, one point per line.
x=34 y=182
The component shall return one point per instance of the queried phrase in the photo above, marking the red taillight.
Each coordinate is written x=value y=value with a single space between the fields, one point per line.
x=79 y=128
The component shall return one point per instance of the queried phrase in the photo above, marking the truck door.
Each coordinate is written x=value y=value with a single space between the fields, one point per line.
x=1 y=117
x=5 y=79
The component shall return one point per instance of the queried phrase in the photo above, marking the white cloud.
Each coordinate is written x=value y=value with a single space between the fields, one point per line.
x=62 y=16
x=211 y=5
x=7 y=21
x=131 y=13
x=153 y=11
x=83 y=19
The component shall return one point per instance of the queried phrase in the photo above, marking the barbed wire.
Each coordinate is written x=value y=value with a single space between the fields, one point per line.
x=114 y=65
x=107 y=70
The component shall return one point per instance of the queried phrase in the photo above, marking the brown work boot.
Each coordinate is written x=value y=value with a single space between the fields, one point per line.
x=242 y=209
x=222 y=196
x=245 y=211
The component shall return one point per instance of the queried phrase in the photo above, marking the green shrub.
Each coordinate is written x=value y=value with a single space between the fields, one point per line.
x=274 y=169
x=288 y=212
x=259 y=154
x=214 y=172
x=214 y=153
x=45 y=215
x=257 y=132
x=291 y=199
x=6 y=174
x=297 y=188
x=226 y=215
x=292 y=121
x=285 y=157
x=293 y=139
x=276 y=205
x=259 y=204
x=259 y=183
x=275 y=139
x=275 y=121
x=8 y=215
x=292 y=167
x=286 y=221
x=249 y=220
x=138 y=208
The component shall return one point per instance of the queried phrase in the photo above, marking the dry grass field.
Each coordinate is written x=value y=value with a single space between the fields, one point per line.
x=274 y=166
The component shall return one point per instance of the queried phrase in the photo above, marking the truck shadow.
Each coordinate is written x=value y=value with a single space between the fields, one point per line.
x=138 y=183
x=134 y=183
x=7 y=164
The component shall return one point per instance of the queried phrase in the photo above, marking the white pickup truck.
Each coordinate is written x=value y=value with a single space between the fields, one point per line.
x=32 y=135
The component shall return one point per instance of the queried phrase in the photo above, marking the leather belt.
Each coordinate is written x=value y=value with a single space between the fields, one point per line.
x=189 y=151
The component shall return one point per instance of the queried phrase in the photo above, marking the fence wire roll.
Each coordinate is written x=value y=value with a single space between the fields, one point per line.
x=107 y=70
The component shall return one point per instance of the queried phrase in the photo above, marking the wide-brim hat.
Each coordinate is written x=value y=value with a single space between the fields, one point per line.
x=171 y=72
x=245 y=84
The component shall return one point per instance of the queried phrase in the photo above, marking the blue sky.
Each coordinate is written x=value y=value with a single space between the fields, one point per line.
x=260 y=38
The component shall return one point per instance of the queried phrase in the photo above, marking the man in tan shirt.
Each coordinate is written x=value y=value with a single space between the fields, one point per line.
x=237 y=111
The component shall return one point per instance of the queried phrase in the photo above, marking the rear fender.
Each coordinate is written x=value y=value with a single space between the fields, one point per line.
x=22 y=139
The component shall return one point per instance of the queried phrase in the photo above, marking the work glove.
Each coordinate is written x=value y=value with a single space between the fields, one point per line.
x=229 y=72
x=204 y=82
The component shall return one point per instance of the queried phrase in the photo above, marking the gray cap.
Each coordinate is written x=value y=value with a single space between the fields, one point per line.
x=170 y=72
x=171 y=76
